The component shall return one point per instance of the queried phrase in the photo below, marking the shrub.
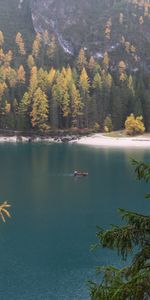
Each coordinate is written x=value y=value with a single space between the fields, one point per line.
x=134 y=125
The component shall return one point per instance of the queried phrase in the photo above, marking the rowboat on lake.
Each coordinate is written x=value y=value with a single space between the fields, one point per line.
x=79 y=173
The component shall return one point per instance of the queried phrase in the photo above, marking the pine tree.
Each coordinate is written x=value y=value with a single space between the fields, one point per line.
x=21 y=74
x=43 y=82
x=93 y=67
x=51 y=76
x=61 y=93
x=81 y=60
x=8 y=58
x=11 y=77
x=97 y=100
x=1 y=39
x=33 y=81
x=84 y=91
x=20 y=44
x=36 y=45
x=108 y=124
x=39 y=113
x=146 y=108
x=30 y=61
x=106 y=61
x=76 y=106
x=52 y=49
x=24 y=112
x=132 y=282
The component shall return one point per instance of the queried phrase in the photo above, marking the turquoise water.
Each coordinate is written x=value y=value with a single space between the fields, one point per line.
x=44 y=248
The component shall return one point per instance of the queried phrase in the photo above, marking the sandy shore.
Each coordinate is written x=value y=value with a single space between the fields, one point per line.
x=100 y=140
x=96 y=140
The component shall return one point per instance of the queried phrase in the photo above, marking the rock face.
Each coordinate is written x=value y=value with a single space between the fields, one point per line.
x=75 y=22
x=15 y=16
x=86 y=23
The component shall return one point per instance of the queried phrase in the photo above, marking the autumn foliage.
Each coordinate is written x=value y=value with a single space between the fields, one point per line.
x=134 y=125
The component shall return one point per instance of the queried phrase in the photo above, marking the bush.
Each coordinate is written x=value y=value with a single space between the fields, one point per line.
x=134 y=125
x=96 y=127
x=108 y=124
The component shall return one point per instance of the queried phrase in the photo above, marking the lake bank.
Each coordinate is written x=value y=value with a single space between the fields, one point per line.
x=94 y=140
x=101 y=140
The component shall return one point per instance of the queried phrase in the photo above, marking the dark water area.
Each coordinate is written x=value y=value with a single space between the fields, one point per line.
x=45 y=247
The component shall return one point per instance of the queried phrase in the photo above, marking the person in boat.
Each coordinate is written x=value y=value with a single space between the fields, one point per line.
x=78 y=173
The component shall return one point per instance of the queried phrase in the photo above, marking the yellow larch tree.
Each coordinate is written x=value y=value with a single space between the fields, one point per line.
x=30 y=61
x=20 y=44
x=52 y=48
x=36 y=45
x=21 y=74
x=33 y=81
x=84 y=91
x=40 y=110
x=81 y=60
x=51 y=76
x=76 y=106
x=1 y=39
x=8 y=58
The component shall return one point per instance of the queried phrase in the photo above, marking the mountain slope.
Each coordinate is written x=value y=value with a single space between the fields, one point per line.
x=98 y=26
x=16 y=16
x=120 y=27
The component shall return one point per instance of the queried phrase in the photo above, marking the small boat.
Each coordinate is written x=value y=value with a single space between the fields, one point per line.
x=79 y=173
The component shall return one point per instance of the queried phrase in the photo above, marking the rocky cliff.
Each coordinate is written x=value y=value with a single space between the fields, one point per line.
x=15 y=15
x=118 y=27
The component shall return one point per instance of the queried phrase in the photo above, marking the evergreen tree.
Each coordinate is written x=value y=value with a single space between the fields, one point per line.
x=97 y=100
x=24 y=112
x=81 y=60
x=36 y=46
x=39 y=113
x=108 y=124
x=76 y=106
x=1 y=39
x=20 y=44
x=30 y=61
x=84 y=91
x=21 y=74
x=132 y=282
x=146 y=108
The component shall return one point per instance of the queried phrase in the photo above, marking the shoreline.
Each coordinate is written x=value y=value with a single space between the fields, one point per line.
x=101 y=140
x=94 y=140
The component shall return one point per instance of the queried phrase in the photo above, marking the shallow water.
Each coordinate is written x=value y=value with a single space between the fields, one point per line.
x=45 y=247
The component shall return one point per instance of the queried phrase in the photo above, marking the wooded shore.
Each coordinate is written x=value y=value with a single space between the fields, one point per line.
x=89 y=139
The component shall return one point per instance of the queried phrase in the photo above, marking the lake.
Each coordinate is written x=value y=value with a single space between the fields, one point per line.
x=45 y=247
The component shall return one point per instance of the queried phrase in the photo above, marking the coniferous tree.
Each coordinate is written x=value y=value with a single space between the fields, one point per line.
x=97 y=100
x=84 y=91
x=20 y=44
x=1 y=39
x=39 y=113
x=24 y=110
x=76 y=106
x=132 y=282
x=81 y=60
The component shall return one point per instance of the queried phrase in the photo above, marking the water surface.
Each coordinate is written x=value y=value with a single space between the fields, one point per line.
x=44 y=248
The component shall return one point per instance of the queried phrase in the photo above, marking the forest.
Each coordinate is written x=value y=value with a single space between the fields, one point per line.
x=40 y=92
